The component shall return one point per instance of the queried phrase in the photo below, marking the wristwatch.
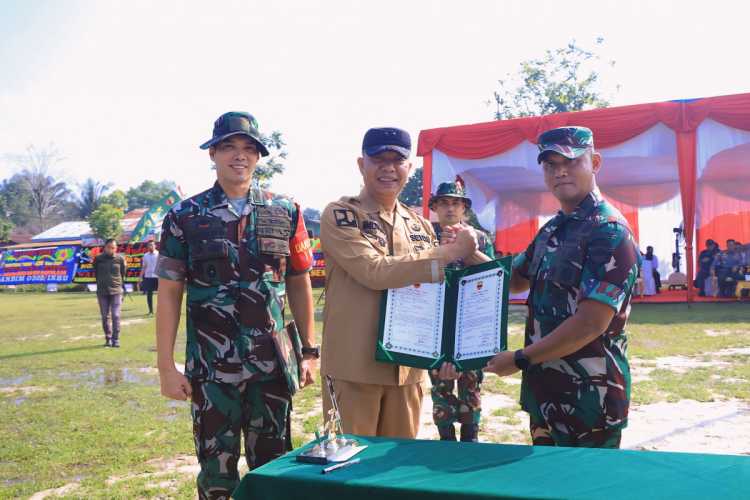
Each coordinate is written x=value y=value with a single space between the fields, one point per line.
x=314 y=350
x=521 y=360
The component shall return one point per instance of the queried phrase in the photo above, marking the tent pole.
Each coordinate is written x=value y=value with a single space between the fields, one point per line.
x=426 y=184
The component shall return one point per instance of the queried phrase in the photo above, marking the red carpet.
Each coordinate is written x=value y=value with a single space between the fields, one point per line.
x=675 y=296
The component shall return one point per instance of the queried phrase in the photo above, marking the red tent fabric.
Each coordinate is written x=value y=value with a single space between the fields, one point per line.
x=723 y=190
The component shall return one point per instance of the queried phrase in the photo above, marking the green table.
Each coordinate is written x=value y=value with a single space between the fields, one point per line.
x=394 y=469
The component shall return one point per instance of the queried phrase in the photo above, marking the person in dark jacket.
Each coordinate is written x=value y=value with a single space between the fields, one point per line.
x=109 y=269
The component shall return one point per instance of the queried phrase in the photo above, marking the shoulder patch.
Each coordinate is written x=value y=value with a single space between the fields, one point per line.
x=345 y=217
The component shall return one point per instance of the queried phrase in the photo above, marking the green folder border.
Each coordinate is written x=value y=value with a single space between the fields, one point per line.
x=452 y=279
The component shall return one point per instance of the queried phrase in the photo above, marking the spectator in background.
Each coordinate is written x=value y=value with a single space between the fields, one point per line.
x=149 y=278
x=726 y=267
x=650 y=272
x=744 y=251
x=705 y=260
x=109 y=270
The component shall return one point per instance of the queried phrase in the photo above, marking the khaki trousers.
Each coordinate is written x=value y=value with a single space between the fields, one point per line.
x=377 y=410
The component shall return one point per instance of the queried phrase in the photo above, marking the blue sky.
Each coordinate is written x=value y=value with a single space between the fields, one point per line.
x=128 y=90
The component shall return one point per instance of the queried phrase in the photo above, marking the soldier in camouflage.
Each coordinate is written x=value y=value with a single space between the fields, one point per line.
x=580 y=270
x=241 y=251
x=450 y=204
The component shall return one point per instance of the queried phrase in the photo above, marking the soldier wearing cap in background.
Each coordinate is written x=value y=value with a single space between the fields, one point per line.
x=372 y=243
x=580 y=269
x=241 y=251
x=450 y=203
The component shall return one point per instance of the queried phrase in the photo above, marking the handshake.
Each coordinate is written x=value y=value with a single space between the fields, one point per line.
x=460 y=242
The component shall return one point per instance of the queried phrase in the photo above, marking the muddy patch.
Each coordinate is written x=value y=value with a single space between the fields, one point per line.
x=106 y=377
x=21 y=379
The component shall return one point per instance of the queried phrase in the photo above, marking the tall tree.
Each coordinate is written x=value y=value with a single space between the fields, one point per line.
x=117 y=199
x=148 y=193
x=6 y=226
x=273 y=163
x=564 y=79
x=412 y=193
x=105 y=221
x=15 y=201
x=90 y=197
x=49 y=196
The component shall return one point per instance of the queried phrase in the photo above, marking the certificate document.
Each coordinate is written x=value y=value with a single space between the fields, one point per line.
x=463 y=320
x=479 y=313
x=414 y=319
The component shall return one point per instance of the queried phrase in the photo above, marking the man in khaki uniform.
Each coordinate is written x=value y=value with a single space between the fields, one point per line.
x=372 y=242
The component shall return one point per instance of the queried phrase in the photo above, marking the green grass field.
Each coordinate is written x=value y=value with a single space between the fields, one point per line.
x=72 y=411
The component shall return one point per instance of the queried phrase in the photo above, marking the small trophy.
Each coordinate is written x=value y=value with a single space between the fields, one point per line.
x=333 y=446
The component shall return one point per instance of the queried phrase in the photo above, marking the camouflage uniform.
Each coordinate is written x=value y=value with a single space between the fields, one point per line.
x=466 y=408
x=235 y=265
x=581 y=399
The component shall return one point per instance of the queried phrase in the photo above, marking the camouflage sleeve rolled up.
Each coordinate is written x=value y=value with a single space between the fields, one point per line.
x=173 y=253
x=522 y=261
x=611 y=266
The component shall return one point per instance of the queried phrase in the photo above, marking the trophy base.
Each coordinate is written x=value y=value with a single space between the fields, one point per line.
x=325 y=452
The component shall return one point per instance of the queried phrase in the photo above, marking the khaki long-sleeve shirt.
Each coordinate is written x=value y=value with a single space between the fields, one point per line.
x=368 y=250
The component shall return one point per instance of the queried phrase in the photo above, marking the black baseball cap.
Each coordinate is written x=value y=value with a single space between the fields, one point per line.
x=382 y=139
x=236 y=123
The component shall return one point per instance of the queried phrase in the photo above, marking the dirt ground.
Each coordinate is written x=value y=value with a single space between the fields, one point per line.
x=685 y=426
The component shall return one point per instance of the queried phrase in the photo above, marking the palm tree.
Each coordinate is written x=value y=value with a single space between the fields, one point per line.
x=92 y=193
x=49 y=196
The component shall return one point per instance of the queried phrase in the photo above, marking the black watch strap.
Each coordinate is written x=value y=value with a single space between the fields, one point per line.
x=315 y=351
x=521 y=360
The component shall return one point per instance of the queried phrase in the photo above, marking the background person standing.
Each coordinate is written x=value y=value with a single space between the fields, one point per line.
x=450 y=203
x=109 y=270
x=149 y=278
x=650 y=272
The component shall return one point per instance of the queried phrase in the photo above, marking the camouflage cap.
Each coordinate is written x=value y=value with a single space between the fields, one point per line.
x=571 y=142
x=450 y=190
x=236 y=123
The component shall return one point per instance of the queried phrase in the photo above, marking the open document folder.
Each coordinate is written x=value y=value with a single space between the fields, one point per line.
x=463 y=320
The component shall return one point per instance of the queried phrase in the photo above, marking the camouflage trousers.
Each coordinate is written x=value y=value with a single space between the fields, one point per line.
x=449 y=408
x=541 y=435
x=222 y=413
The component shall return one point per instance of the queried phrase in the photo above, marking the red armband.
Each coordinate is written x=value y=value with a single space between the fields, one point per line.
x=299 y=247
